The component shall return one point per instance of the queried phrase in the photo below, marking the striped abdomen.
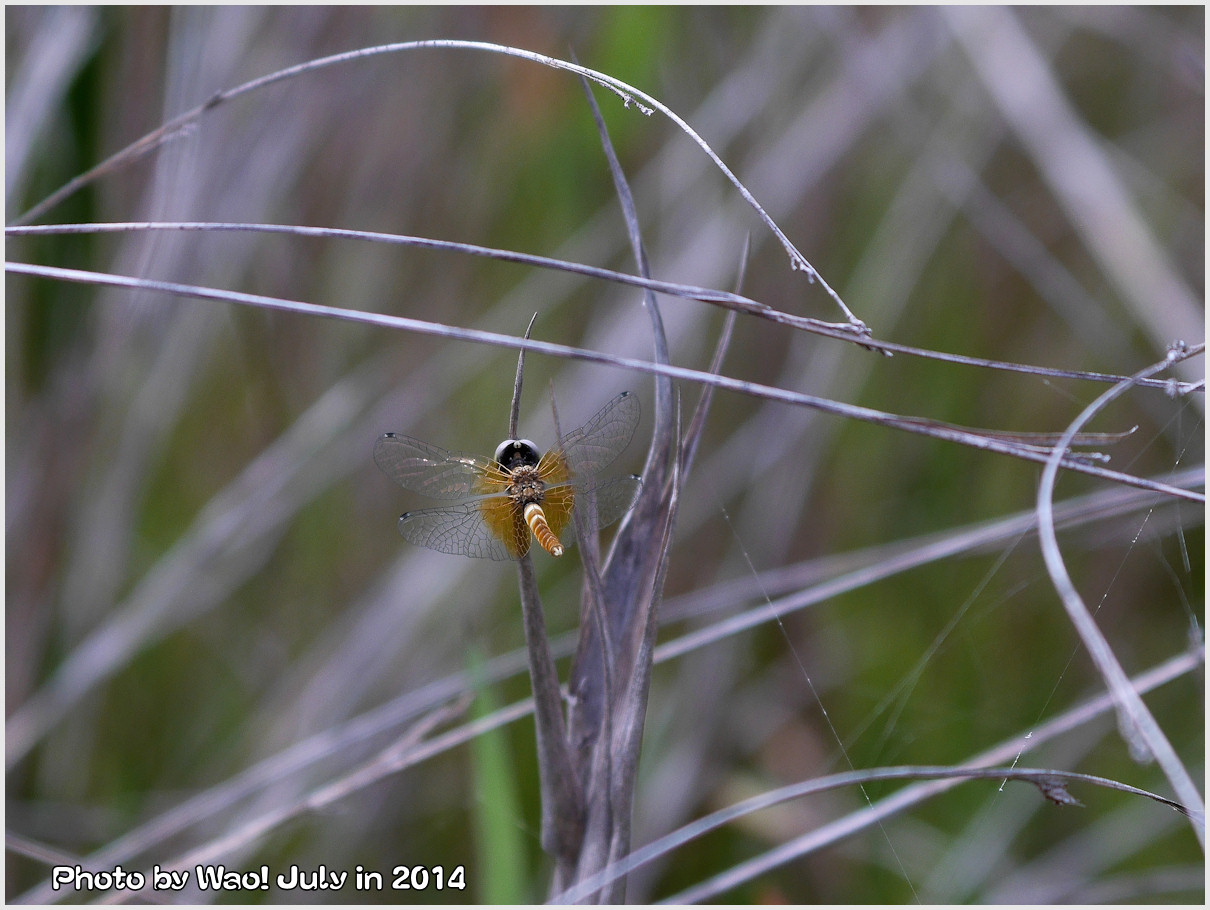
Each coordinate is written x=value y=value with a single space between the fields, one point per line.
x=536 y=519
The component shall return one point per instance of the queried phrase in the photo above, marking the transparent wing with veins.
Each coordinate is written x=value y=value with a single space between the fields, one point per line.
x=433 y=471
x=594 y=446
x=463 y=530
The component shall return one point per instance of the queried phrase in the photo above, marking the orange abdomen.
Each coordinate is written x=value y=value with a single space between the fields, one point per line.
x=536 y=519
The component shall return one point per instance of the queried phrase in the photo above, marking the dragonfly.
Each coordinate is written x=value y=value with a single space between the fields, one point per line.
x=518 y=495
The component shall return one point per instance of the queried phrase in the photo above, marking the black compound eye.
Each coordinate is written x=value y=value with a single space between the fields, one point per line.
x=515 y=453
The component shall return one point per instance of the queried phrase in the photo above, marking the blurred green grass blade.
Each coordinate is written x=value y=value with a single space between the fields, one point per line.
x=496 y=810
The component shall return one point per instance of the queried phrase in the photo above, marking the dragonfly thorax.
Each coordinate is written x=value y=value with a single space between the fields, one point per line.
x=525 y=485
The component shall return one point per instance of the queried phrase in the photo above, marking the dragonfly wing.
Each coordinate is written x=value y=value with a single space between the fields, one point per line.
x=601 y=503
x=593 y=446
x=468 y=529
x=614 y=497
x=506 y=522
x=557 y=503
x=433 y=471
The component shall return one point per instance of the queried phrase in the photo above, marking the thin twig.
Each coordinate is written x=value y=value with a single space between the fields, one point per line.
x=562 y=799
x=731 y=301
x=1050 y=782
x=1007 y=751
x=882 y=418
x=514 y=413
x=697 y=424
x=561 y=795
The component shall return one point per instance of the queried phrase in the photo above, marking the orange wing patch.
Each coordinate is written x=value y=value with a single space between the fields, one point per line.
x=504 y=521
x=500 y=513
x=559 y=497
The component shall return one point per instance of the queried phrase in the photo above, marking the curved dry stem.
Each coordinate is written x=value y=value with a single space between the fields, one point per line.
x=1136 y=723
x=627 y=93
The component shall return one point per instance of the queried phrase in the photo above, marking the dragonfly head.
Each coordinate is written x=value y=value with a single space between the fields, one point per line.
x=516 y=453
